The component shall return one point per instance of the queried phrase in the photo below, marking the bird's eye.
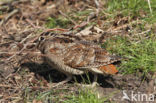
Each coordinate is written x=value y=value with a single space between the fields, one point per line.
x=41 y=38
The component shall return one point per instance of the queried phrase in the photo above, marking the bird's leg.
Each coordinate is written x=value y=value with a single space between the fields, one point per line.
x=94 y=83
x=95 y=80
x=69 y=77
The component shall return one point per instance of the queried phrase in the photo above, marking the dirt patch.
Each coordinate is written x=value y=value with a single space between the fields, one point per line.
x=27 y=72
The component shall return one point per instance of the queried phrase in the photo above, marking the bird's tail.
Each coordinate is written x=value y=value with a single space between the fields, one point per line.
x=109 y=69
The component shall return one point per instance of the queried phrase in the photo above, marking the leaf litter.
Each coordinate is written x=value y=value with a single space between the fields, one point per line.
x=22 y=70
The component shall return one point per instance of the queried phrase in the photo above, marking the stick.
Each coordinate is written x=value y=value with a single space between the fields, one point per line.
x=8 y=16
x=67 y=17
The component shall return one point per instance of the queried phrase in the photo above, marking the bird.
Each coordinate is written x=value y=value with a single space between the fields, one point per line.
x=71 y=55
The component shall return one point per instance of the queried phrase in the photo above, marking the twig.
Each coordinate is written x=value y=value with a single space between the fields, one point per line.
x=6 y=2
x=123 y=26
x=97 y=3
x=24 y=47
x=20 y=50
x=91 y=16
x=67 y=17
x=149 y=4
x=1 y=52
x=8 y=16
x=57 y=29
x=17 y=52
x=81 y=25
x=34 y=26
x=30 y=23
x=4 y=8
x=1 y=85
x=143 y=32
x=26 y=38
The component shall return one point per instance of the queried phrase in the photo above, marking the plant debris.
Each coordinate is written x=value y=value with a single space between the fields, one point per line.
x=23 y=72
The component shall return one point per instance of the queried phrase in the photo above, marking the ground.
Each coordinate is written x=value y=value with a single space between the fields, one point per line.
x=129 y=31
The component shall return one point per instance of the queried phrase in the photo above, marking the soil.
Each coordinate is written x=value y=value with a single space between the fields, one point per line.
x=27 y=70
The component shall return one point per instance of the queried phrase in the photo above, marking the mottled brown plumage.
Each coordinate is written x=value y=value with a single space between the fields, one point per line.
x=72 y=56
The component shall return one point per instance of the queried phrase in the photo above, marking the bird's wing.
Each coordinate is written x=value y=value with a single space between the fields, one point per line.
x=82 y=55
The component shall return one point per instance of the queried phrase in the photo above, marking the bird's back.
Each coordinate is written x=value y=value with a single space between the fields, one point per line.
x=78 y=55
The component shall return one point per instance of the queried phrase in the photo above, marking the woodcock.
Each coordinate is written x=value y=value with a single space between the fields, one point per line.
x=73 y=56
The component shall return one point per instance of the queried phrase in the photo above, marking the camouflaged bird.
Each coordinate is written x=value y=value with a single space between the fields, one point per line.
x=73 y=56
